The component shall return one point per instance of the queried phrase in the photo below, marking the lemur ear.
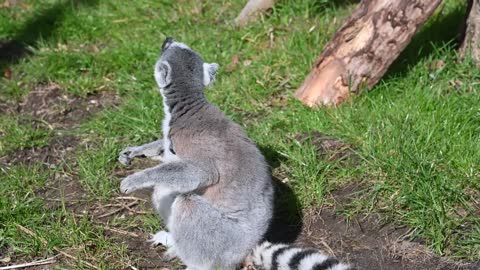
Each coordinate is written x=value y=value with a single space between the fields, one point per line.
x=163 y=74
x=209 y=71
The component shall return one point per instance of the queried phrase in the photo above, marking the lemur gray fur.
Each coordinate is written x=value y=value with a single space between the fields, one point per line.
x=213 y=190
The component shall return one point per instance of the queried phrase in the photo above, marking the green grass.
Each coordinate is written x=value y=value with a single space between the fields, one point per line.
x=16 y=135
x=417 y=132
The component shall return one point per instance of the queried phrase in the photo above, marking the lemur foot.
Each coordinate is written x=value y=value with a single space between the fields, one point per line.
x=133 y=182
x=161 y=238
x=165 y=239
x=128 y=154
x=129 y=184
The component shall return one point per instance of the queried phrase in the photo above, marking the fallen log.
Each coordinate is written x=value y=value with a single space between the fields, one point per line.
x=471 y=43
x=363 y=48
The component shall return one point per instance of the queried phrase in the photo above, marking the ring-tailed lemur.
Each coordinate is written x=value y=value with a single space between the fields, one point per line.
x=213 y=189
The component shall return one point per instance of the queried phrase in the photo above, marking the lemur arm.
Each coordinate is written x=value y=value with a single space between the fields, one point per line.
x=152 y=149
x=178 y=176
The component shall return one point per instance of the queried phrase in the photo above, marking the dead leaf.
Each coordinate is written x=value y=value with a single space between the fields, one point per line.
x=6 y=260
x=5 y=4
x=8 y=73
x=25 y=6
x=271 y=35
x=279 y=101
x=120 y=20
x=435 y=65
x=455 y=83
x=11 y=3
x=94 y=49
x=233 y=63
x=197 y=9
x=61 y=47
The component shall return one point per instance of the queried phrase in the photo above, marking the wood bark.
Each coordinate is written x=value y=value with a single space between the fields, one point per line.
x=363 y=48
x=251 y=10
x=471 y=43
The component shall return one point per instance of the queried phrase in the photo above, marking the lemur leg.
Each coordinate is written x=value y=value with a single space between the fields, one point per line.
x=152 y=150
x=176 y=176
x=162 y=200
x=205 y=236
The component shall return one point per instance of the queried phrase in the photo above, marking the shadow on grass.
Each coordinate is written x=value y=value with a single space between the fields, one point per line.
x=443 y=31
x=41 y=26
x=287 y=214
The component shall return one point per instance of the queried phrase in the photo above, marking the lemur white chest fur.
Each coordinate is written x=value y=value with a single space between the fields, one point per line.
x=160 y=78
x=168 y=155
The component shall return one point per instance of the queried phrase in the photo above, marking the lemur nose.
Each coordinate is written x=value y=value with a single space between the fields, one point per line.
x=166 y=43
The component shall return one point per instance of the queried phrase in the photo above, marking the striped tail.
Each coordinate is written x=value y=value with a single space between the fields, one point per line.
x=288 y=257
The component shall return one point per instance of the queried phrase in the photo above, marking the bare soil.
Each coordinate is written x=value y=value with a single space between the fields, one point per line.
x=365 y=243
x=51 y=104
x=49 y=107
x=144 y=255
x=50 y=155
x=368 y=244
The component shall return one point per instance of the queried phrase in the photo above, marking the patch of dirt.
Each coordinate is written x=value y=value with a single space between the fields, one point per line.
x=64 y=189
x=348 y=193
x=143 y=255
x=5 y=106
x=140 y=252
x=49 y=105
x=367 y=244
x=52 y=105
x=51 y=155
x=330 y=148
x=69 y=193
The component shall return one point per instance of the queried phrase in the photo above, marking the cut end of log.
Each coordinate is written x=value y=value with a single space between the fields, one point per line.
x=252 y=10
x=324 y=87
x=363 y=48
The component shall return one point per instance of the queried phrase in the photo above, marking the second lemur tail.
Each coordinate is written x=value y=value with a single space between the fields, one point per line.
x=288 y=257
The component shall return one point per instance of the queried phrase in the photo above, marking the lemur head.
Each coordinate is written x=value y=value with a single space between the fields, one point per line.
x=178 y=64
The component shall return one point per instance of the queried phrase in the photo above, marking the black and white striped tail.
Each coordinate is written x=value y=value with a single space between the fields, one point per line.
x=287 y=257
